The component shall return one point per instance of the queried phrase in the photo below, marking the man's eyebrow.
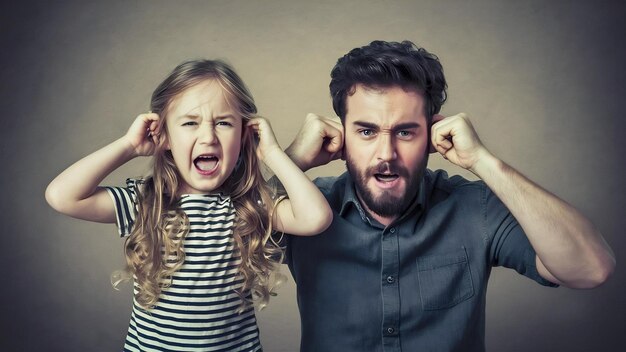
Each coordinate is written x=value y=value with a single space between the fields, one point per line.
x=368 y=125
x=398 y=127
x=406 y=126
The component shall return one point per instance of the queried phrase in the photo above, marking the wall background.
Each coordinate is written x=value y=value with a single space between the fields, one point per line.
x=543 y=82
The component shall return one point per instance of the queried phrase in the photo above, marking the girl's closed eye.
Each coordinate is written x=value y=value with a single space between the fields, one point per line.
x=224 y=123
x=189 y=123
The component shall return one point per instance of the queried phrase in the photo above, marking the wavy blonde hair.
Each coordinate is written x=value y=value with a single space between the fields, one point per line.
x=154 y=250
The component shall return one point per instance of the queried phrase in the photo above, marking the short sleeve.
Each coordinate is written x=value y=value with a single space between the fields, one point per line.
x=125 y=200
x=510 y=247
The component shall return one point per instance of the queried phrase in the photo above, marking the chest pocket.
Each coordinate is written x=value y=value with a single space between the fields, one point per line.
x=444 y=279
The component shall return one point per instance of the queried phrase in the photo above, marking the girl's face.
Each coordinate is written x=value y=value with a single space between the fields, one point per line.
x=204 y=134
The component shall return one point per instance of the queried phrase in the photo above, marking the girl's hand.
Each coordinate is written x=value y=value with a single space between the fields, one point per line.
x=267 y=141
x=143 y=134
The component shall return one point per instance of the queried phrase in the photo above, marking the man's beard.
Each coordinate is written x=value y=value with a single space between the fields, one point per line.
x=386 y=204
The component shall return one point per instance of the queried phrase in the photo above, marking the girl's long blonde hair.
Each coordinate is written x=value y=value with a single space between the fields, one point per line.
x=154 y=250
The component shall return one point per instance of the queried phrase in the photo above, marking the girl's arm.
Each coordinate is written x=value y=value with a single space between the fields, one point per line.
x=306 y=212
x=75 y=192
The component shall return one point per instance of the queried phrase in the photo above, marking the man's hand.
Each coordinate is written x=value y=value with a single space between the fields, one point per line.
x=454 y=137
x=319 y=141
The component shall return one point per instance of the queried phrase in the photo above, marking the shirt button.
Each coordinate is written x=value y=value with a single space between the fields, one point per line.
x=391 y=330
x=392 y=230
x=391 y=279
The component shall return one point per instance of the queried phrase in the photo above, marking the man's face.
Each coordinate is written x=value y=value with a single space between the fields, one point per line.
x=386 y=147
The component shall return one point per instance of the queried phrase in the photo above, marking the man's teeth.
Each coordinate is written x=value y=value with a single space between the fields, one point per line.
x=386 y=177
x=205 y=163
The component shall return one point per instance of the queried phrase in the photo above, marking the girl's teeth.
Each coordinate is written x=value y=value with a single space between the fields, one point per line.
x=206 y=164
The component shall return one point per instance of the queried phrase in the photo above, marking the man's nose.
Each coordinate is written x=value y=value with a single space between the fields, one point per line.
x=386 y=147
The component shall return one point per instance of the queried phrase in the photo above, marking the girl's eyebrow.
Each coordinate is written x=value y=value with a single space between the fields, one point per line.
x=188 y=116
x=196 y=116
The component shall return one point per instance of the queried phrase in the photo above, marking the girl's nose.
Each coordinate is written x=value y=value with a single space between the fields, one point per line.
x=206 y=134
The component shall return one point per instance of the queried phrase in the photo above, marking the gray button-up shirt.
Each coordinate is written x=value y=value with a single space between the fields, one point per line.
x=418 y=284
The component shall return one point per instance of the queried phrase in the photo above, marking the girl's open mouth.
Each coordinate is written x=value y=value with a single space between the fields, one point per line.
x=206 y=164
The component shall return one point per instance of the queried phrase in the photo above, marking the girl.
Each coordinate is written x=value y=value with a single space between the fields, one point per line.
x=198 y=227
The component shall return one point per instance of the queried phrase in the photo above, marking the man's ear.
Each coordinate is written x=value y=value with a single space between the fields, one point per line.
x=436 y=118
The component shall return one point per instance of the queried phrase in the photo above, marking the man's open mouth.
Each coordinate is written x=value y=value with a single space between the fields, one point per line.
x=380 y=177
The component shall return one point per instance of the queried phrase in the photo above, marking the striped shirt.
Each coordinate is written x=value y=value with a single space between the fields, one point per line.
x=198 y=312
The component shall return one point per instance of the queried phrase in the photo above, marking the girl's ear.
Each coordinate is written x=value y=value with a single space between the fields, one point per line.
x=247 y=134
x=162 y=140
x=165 y=142
x=244 y=130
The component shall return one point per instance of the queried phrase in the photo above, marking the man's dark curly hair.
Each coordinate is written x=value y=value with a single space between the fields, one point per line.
x=386 y=64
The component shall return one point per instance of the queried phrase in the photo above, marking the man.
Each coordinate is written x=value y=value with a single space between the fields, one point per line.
x=404 y=265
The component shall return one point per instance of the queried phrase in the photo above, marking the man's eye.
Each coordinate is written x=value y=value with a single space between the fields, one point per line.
x=366 y=133
x=404 y=134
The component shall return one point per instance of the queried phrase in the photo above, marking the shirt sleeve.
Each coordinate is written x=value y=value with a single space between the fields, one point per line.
x=125 y=200
x=510 y=247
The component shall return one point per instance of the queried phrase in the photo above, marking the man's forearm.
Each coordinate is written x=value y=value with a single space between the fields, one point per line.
x=570 y=249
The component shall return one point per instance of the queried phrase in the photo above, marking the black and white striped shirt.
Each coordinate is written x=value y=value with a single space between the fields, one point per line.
x=198 y=312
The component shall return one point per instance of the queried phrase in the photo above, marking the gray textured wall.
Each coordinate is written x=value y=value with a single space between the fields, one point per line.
x=543 y=82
